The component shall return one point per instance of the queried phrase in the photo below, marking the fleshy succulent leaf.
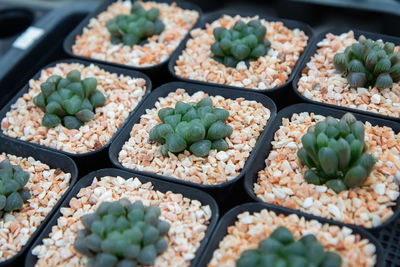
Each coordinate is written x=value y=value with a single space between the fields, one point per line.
x=369 y=63
x=334 y=151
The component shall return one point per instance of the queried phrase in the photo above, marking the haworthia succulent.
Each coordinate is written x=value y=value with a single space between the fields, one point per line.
x=70 y=101
x=369 y=63
x=12 y=182
x=135 y=27
x=334 y=152
x=243 y=42
x=122 y=233
x=197 y=127
x=281 y=249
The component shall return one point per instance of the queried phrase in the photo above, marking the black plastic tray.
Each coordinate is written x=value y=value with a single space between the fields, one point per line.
x=390 y=240
x=230 y=218
x=259 y=162
x=210 y=17
x=384 y=6
x=190 y=88
x=156 y=70
x=88 y=159
x=161 y=186
x=311 y=51
x=54 y=160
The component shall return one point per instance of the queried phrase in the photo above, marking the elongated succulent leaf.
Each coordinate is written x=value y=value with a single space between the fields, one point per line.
x=328 y=160
x=97 y=99
x=355 y=176
x=220 y=145
x=201 y=148
x=14 y=202
x=336 y=185
x=71 y=122
x=74 y=76
x=312 y=178
x=50 y=120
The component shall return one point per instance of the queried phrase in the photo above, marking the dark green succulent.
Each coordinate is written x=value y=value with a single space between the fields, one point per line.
x=198 y=127
x=369 y=63
x=281 y=249
x=333 y=150
x=70 y=101
x=12 y=182
x=136 y=27
x=122 y=233
x=243 y=42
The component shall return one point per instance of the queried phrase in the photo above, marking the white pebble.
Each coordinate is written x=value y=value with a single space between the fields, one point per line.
x=321 y=188
x=246 y=81
x=308 y=202
x=376 y=99
x=279 y=193
x=380 y=189
x=241 y=66
x=389 y=164
x=308 y=94
x=346 y=231
x=334 y=210
x=291 y=145
x=222 y=156
x=362 y=91
x=247 y=220
x=262 y=85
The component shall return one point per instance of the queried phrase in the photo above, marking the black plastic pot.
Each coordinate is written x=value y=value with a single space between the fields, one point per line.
x=264 y=150
x=93 y=159
x=312 y=50
x=210 y=17
x=54 y=160
x=161 y=186
x=159 y=70
x=221 y=192
x=230 y=218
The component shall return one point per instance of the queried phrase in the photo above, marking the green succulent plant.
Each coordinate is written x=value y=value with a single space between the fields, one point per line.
x=133 y=28
x=198 y=127
x=281 y=249
x=122 y=233
x=369 y=63
x=70 y=101
x=243 y=42
x=333 y=150
x=12 y=182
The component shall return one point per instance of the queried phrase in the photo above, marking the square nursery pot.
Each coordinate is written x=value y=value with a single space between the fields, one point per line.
x=57 y=162
x=302 y=196
x=243 y=216
x=381 y=103
x=92 y=154
x=218 y=189
x=195 y=64
x=154 y=69
x=159 y=186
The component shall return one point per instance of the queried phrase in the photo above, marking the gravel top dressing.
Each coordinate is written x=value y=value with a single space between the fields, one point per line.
x=46 y=187
x=282 y=181
x=188 y=218
x=95 y=40
x=247 y=118
x=320 y=81
x=123 y=93
x=250 y=229
x=271 y=70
